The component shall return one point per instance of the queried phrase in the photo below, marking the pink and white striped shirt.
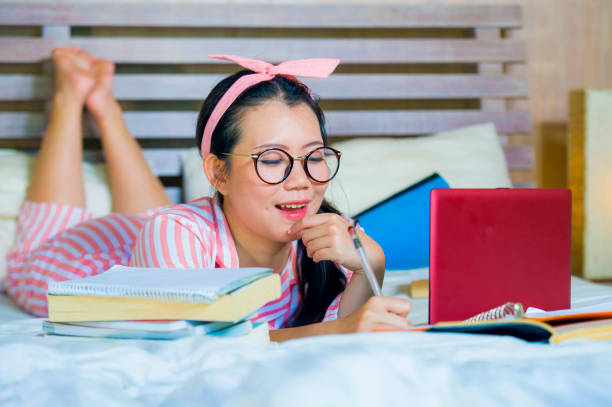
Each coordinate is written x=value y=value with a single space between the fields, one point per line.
x=60 y=242
x=197 y=235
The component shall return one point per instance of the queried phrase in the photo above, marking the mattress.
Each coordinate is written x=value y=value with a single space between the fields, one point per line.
x=359 y=369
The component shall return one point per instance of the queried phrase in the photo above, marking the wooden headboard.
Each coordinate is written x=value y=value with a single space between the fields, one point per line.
x=406 y=69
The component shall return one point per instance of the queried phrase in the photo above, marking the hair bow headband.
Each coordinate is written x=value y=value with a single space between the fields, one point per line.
x=264 y=71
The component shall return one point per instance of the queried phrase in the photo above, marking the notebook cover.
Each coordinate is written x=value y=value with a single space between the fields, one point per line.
x=133 y=331
x=400 y=224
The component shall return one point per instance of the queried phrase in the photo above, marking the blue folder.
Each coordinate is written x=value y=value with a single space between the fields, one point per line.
x=400 y=224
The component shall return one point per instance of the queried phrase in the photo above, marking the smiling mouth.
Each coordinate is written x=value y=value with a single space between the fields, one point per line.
x=291 y=207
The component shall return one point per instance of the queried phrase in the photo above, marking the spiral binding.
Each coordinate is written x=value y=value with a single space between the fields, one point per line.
x=508 y=310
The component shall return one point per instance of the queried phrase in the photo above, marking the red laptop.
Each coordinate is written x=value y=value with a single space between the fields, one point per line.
x=492 y=246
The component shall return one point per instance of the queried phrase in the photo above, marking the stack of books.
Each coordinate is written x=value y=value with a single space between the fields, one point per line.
x=151 y=303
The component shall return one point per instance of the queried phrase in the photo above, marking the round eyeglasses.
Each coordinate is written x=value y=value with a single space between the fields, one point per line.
x=274 y=165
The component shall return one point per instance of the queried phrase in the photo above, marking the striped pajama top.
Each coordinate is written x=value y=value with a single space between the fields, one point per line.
x=62 y=242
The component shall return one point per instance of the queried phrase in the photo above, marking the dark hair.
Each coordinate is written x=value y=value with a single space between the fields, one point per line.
x=319 y=282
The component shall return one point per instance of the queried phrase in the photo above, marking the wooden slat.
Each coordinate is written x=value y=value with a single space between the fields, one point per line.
x=164 y=161
x=395 y=123
x=339 y=123
x=488 y=69
x=520 y=157
x=25 y=87
x=340 y=86
x=196 y=50
x=188 y=14
x=167 y=161
x=523 y=184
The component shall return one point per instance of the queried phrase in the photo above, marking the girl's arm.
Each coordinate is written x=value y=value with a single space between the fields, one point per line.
x=376 y=313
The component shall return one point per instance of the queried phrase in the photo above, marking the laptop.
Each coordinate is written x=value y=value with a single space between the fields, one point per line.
x=492 y=246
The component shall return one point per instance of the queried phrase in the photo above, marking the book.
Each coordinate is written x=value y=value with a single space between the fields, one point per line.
x=158 y=330
x=599 y=329
x=138 y=329
x=129 y=293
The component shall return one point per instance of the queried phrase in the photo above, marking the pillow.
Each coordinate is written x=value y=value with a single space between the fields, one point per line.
x=15 y=170
x=195 y=183
x=373 y=169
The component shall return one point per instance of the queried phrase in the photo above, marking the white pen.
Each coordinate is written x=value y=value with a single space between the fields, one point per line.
x=364 y=261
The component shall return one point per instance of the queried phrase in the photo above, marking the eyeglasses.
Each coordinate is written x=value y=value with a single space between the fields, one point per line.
x=274 y=165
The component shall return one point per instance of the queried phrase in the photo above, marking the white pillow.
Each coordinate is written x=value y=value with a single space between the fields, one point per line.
x=195 y=183
x=15 y=171
x=372 y=169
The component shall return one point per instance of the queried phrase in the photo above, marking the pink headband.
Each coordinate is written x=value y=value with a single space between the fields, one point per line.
x=310 y=68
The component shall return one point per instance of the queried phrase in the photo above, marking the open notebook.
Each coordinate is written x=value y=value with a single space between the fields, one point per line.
x=594 y=322
x=129 y=293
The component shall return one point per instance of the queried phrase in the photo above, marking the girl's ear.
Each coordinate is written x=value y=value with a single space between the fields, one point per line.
x=215 y=171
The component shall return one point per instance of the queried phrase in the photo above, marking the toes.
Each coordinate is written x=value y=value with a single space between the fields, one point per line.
x=90 y=58
x=103 y=67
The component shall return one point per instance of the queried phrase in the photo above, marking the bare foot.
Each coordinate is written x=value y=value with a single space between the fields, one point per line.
x=73 y=76
x=101 y=96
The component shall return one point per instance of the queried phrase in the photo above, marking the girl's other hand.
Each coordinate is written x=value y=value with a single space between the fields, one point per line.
x=377 y=313
x=326 y=237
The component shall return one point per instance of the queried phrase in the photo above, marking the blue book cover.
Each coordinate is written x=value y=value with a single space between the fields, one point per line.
x=160 y=330
x=400 y=224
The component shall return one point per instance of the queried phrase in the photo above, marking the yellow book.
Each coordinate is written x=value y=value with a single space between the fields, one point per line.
x=591 y=330
x=127 y=293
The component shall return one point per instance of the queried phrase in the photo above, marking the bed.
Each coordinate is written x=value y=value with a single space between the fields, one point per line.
x=360 y=369
x=421 y=69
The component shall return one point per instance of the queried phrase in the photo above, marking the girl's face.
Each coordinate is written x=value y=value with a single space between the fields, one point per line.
x=259 y=209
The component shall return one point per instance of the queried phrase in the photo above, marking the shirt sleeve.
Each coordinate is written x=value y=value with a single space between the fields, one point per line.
x=173 y=241
x=332 y=311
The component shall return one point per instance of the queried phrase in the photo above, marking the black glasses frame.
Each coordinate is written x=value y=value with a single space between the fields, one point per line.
x=304 y=159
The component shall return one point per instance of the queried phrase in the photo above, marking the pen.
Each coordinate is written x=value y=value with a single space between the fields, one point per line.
x=364 y=261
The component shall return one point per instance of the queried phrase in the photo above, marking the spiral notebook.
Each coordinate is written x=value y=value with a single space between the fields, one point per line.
x=176 y=285
x=533 y=325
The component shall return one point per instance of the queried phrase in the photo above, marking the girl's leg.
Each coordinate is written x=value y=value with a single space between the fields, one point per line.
x=57 y=176
x=134 y=187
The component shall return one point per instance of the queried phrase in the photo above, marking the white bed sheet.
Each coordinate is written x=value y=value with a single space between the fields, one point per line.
x=364 y=369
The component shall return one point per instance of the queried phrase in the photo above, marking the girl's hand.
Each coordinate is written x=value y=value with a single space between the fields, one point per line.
x=326 y=237
x=376 y=313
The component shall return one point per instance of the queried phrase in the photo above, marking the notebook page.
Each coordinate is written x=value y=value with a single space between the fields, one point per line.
x=179 y=285
x=538 y=313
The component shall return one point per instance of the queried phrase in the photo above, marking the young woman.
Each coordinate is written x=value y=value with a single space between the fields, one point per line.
x=262 y=137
